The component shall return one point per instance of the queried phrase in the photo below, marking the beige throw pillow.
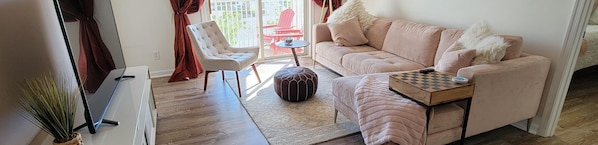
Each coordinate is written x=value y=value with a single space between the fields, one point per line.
x=455 y=58
x=347 y=33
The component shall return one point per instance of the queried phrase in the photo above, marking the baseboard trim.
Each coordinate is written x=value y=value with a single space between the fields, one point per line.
x=521 y=125
x=161 y=73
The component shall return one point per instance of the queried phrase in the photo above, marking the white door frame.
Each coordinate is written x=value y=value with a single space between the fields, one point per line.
x=546 y=121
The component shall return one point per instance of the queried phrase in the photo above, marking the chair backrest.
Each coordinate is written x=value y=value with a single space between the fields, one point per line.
x=207 y=39
x=286 y=18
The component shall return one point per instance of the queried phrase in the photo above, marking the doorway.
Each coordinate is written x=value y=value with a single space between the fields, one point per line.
x=261 y=23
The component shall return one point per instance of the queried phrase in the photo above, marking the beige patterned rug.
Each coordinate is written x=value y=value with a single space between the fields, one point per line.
x=283 y=122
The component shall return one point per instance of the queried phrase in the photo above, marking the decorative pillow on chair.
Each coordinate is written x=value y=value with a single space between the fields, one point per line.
x=455 y=58
x=351 y=9
x=347 y=33
x=489 y=48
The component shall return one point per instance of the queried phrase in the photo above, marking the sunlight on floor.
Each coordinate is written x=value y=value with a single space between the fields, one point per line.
x=249 y=83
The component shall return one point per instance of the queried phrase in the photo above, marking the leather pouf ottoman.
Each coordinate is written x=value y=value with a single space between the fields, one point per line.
x=295 y=83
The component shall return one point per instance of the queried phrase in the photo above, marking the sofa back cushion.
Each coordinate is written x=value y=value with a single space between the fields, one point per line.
x=377 y=32
x=447 y=38
x=414 y=41
x=513 y=51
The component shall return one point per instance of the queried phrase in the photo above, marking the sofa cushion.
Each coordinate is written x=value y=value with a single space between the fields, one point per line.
x=513 y=51
x=377 y=62
x=377 y=33
x=454 y=59
x=414 y=41
x=347 y=33
x=335 y=53
x=343 y=89
x=441 y=118
x=447 y=38
x=445 y=117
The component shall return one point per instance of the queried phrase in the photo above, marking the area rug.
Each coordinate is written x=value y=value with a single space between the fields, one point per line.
x=284 y=122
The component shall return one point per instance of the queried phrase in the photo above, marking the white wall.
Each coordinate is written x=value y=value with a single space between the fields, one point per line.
x=543 y=24
x=146 y=27
x=31 y=43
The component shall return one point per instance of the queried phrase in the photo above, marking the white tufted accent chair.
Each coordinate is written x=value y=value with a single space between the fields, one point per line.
x=215 y=53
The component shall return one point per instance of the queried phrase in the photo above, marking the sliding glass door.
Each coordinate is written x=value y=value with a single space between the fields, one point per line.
x=261 y=22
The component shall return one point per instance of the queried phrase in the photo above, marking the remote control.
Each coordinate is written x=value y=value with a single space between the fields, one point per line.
x=426 y=70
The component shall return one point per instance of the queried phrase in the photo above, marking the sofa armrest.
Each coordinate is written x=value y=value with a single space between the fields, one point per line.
x=321 y=33
x=505 y=92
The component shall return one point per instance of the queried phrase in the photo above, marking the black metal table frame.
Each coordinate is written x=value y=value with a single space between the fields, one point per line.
x=429 y=108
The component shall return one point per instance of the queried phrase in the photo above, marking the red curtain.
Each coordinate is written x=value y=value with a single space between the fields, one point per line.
x=95 y=61
x=335 y=5
x=187 y=65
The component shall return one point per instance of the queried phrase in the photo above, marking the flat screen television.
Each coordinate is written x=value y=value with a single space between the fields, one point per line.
x=96 y=81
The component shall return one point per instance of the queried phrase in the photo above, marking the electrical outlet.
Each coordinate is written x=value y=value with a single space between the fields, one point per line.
x=156 y=55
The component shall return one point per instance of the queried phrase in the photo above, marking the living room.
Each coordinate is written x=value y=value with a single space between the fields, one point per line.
x=550 y=29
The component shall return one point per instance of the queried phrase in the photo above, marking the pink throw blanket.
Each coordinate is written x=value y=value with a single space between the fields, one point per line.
x=386 y=117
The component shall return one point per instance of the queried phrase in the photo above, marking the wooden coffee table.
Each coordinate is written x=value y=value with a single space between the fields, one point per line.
x=292 y=46
x=433 y=89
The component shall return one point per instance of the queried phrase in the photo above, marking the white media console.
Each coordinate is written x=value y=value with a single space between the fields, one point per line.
x=133 y=106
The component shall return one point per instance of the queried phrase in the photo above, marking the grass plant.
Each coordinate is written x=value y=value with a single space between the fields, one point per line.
x=50 y=105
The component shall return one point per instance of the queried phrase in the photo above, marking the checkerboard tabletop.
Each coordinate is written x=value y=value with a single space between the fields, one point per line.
x=431 y=82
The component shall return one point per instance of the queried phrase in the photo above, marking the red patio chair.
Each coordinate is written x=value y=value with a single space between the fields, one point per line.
x=281 y=31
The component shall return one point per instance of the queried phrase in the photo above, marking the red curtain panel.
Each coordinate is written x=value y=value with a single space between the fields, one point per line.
x=95 y=60
x=186 y=64
x=335 y=5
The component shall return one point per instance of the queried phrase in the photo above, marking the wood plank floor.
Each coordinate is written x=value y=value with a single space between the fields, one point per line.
x=187 y=115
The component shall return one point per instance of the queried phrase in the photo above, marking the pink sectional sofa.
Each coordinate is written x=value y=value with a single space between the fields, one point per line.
x=505 y=92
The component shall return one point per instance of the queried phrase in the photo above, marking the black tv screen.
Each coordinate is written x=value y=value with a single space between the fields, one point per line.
x=99 y=61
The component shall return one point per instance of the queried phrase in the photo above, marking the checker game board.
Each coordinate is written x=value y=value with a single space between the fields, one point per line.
x=433 y=81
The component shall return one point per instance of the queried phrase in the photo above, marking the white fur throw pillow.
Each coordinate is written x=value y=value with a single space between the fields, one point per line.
x=350 y=9
x=489 y=48
x=474 y=34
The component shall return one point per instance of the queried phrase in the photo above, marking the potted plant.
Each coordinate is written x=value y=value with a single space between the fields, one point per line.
x=51 y=105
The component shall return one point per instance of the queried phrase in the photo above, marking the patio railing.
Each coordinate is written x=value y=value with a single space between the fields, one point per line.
x=238 y=19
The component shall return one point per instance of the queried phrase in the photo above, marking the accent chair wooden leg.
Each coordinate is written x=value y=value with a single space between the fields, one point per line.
x=205 y=80
x=335 y=115
x=255 y=71
x=222 y=71
x=238 y=83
